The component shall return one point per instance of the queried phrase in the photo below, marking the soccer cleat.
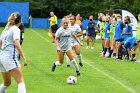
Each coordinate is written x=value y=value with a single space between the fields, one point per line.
x=78 y=73
x=68 y=65
x=53 y=68
x=81 y=64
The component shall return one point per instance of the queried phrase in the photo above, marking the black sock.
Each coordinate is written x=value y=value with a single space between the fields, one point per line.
x=133 y=55
x=114 y=54
x=111 y=51
x=105 y=51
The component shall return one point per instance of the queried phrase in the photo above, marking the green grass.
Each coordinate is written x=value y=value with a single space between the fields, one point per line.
x=99 y=75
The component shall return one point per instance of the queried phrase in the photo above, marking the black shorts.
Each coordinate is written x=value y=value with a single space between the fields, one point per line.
x=91 y=34
x=120 y=40
x=54 y=28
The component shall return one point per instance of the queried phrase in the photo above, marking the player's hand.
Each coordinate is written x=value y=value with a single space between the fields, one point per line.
x=25 y=61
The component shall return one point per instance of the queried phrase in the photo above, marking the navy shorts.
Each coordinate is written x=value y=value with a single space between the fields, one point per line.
x=54 y=28
x=91 y=34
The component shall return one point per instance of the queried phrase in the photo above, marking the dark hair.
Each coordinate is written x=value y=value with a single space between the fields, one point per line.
x=128 y=18
x=18 y=18
x=73 y=17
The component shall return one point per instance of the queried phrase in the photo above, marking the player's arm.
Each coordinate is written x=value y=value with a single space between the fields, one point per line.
x=57 y=35
x=77 y=39
x=18 y=46
x=79 y=34
x=0 y=44
x=56 y=43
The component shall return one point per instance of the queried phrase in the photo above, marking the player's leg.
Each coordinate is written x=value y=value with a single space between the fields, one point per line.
x=92 y=38
x=6 y=82
x=71 y=57
x=78 y=53
x=133 y=53
x=60 y=60
x=67 y=61
x=105 y=46
x=87 y=40
x=18 y=76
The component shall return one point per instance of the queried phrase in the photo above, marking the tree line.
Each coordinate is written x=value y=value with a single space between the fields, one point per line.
x=41 y=8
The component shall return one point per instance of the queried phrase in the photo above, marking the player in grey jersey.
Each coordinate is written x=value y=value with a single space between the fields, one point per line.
x=74 y=44
x=63 y=44
x=10 y=45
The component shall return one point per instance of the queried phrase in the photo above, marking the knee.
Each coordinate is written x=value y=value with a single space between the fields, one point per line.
x=78 y=53
x=7 y=83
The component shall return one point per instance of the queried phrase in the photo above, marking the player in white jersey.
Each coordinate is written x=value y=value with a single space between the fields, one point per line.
x=63 y=44
x=77 y=32
x=10 y=45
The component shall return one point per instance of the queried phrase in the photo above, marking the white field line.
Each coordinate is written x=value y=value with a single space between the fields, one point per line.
x=40 y=35
x=97 y=69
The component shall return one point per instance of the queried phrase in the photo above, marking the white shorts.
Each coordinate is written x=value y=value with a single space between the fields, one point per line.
x=69 y=48
x=73 y=43
x=7 y=63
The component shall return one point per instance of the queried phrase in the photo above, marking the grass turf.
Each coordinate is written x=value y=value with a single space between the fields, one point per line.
x=99 y=74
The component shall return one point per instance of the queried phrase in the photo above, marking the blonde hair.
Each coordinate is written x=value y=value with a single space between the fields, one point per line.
x=11 y=21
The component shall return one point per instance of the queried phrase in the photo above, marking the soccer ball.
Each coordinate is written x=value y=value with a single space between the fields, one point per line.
x=71 y=80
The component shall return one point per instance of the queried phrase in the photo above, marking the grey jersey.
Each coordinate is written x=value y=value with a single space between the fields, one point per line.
x=7 y=38
x=75 y=29
x=64 y=36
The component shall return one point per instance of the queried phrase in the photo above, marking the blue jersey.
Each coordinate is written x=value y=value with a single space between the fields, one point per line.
x=131 y=41
x=106 y=34
x=118 y=30
x=91 y=27
x=127 y=29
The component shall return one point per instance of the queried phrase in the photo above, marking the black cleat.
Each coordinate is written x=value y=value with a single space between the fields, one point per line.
x=53 y=68
x=78 y=73
x=81 y=64
x=68 y=65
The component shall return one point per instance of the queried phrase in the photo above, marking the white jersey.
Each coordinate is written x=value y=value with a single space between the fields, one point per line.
x=75 y=29
x=8 y=54
x=64 y=36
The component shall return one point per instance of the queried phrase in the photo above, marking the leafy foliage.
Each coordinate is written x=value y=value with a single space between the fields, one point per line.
x=41 y=8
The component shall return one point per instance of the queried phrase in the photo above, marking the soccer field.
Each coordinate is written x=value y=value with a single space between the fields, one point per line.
x=98 y=75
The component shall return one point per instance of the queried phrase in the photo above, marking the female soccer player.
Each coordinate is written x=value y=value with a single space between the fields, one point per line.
x=10 y=44
x=128 y=28
x=77 y=32
x=131 y=45
x=91 y=33
x=138 y=29
x=63 y=44
x=107 y=35
x=112 y=39
x=118 y=35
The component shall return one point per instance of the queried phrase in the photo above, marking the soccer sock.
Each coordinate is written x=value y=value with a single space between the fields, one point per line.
x=75 y=65
x=2 y=88
x=133 y=55
x=105 y=51
x=57 y=63
x=111 y=51
x=103 y=48
x=67 y=60
x=79 y=58
x=21 y=88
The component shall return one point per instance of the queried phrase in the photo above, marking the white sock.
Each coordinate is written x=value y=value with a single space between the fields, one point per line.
x=21 y=88
x=67 y=60
x=57 y=63
x=2 y=88
x=75 y=65
x=79 y=58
